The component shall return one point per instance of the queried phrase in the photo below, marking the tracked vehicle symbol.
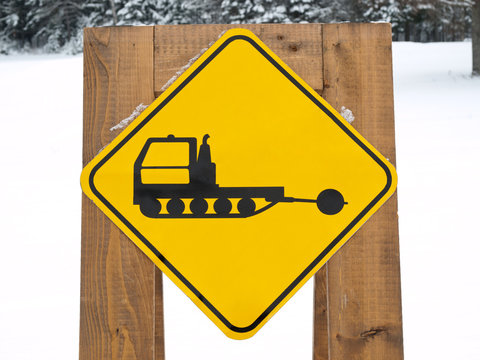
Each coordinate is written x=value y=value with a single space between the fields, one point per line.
x=200 y=186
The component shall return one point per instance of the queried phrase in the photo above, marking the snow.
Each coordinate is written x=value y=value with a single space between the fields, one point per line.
x=188 y=64
x=437 y=124
x=183 y=69
x=438 y=148
x=40 y=158
x=124 y=123
x=347 y=114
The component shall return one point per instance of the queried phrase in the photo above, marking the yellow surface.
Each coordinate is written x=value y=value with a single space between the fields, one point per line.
x=263 y=131
x=167 y=154
x=165 y=176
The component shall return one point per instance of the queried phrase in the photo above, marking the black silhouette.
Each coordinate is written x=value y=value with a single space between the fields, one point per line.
x=202 y=185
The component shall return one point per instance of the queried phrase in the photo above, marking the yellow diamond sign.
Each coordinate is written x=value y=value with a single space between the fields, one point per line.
x=239 y=182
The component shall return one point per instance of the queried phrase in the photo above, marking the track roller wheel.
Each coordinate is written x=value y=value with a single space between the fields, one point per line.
x=246 y=206
x=150 y=207
x=199 y=206
x=222 y=206
x=175 y=206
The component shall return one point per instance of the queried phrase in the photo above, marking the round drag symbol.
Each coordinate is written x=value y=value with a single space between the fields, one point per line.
x=195 y=180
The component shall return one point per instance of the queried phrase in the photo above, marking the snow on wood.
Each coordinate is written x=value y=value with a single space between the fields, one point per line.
x=183 y=69
x=347 y=114
x=122 y=124
x=188 y=64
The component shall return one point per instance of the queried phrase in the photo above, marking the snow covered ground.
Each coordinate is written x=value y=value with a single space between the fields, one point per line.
x=437 y=122
x=438 y=149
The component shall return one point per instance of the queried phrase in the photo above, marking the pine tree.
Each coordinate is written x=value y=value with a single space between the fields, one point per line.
x=339 y=11
x=101 y=12
x=453 y=16
x=373 y=10
x=253 y=11
x=54 y=23
x=200 y=12
x=150 y=12
x=303 y=10
x=13 y=21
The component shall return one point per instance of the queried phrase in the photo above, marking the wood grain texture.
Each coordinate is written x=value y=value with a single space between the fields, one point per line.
x=159 y=327
x=320 y=315
x=298 y=45
x=121 y=307
x=363 y=278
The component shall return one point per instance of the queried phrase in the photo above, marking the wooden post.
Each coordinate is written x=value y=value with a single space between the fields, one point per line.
x=121 y=291
x=358 y=302
x=357 y=296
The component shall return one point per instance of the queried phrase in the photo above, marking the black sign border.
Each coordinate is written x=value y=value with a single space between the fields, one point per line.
x=317 y=259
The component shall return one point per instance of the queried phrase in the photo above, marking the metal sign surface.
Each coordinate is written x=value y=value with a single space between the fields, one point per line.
x=239 y=182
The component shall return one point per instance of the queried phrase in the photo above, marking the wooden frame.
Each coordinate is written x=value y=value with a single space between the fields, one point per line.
x=357 y=294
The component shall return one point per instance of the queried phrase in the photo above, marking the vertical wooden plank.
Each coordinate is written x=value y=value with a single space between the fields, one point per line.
x=299 y=45
x=320 y=315
x=363 y=278
x=159 y=328
x=120 y=287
